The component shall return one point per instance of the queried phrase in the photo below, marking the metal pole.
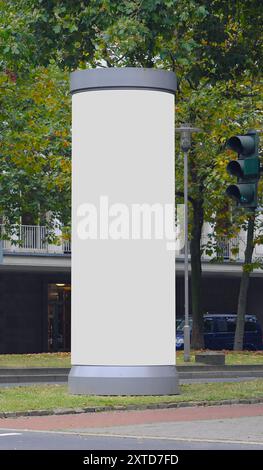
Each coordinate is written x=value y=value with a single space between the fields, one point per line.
x=186 y=263
x=1 y=251
x=186 y=130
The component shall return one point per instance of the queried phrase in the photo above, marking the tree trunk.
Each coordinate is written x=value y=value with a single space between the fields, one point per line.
x=243 y=289
x=197 y=341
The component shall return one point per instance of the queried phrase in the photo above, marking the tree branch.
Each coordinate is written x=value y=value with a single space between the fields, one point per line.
x=181 y=194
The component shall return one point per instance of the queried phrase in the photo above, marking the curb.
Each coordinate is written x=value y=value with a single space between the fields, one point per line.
x=226 y=367
x=51 y=375
x=98 y=409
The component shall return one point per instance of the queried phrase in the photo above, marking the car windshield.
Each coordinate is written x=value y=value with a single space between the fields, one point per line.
x=180 y=325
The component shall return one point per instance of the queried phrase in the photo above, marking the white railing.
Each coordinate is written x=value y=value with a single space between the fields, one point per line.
x=66 y=245
x=223 y=248
x=33 y=239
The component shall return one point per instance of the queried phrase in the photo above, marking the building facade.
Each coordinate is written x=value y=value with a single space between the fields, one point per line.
x=35 y=294
x=35 y=290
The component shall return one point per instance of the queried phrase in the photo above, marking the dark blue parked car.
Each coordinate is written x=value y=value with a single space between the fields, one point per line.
x=219 y=332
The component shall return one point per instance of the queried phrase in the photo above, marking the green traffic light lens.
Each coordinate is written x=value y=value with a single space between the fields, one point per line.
x=242 y=193
x=233 y=192
x=235 y=168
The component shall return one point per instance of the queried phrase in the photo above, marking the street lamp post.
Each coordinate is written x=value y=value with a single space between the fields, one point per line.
x=185 y=144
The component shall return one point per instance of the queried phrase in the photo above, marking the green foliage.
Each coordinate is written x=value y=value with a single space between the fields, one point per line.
x=35 y=163
x=216 y=39
x=229 y=39
x=249 y=267
x=221 y=110
x=215 y=47
x=35 y=32
x=17 y=43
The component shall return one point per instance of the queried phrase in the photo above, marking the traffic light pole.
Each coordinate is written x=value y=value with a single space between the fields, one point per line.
x=185 y=144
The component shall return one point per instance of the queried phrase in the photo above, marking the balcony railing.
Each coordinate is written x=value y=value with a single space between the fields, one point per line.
x=34 y=239
x=225 y=249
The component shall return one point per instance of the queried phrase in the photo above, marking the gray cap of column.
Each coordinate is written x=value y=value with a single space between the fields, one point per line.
x=126 y=77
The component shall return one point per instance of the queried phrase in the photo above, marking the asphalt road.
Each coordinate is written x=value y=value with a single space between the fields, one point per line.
x=28 y=440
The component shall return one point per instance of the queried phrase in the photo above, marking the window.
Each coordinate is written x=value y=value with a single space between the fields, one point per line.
x=231 y=325
x=221 y=325
x=208 y=325
x=250 y=326
x=59 y=317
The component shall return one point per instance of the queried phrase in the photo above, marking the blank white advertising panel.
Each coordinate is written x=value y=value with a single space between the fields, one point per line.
x=123 y=272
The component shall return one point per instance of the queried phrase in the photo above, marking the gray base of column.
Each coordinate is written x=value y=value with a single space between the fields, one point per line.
x=123 y=380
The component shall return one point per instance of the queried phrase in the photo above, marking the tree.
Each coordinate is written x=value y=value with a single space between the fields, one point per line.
x=88 y=33
x=248 y=95
x=207 y=43
x=35 y=149
x=221 y=110
x=35 y=32
x=244 y=284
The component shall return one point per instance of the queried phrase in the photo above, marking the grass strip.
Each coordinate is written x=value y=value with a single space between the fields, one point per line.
x=40 y=397
x=63 y=359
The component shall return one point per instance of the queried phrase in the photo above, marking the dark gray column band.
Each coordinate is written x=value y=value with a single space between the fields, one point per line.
x=123 y=380
x=126 y=77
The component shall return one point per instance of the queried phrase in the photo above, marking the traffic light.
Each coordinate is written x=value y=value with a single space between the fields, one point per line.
x=246 y=168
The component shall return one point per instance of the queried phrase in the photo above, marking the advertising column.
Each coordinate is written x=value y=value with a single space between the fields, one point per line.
x=123 y=261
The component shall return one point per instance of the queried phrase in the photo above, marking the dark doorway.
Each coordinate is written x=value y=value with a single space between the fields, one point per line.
x=59 y=317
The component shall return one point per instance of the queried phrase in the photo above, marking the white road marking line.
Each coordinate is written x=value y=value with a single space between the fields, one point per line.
x=10 y=434
x=168 y=438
